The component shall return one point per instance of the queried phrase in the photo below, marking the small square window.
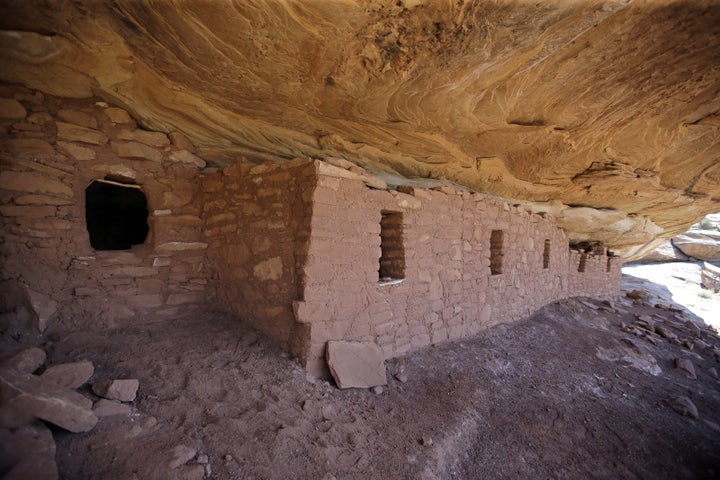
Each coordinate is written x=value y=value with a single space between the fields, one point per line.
x=116 y=215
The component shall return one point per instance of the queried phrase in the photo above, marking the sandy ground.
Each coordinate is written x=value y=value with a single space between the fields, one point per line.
x=581 y=389
x=682 y=280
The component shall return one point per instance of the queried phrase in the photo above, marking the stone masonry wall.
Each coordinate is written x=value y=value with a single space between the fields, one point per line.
x=448 y=291
x=257 y=228
x=294 y=249
x=50 y=150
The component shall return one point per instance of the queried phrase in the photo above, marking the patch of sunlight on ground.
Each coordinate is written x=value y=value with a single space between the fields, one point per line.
x=682 y=280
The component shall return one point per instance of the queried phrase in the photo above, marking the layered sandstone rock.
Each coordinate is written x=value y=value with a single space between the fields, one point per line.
x=604 y=114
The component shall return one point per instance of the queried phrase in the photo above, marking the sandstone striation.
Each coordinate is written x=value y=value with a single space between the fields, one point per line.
x=604 y=114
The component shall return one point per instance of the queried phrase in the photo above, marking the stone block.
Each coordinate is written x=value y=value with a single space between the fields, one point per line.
x=78 y=118
x=33 y=183
x=180 y=246
x=356 y=364
x=33 y=147
x=270 y=269
x=184 y=156
x=11 y=109
x=147 y=300
x=26 y=361
x=184 y=298
x=136 y=150
x=118 y=115
x=44 y=306
x=132 y=271
x=162 y=262
x=122 y=390
x=41 y=200
x=30 y=396
x=76 y=133
x=182 y=142
x=107 y=408
x=27 y=211
x=69 y=375
x=76 y=151
x=177 y=227
x=117 y=170
x=153 y=139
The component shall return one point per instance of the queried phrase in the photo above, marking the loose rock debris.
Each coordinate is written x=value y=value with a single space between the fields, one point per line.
x=532 y=389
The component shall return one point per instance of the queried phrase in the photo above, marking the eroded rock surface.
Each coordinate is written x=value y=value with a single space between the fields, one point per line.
x=602 y=113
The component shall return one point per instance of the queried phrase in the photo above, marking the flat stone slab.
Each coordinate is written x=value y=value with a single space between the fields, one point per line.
x=107 y=408
x=69 y=375
x=30 y=396
x=356 y=364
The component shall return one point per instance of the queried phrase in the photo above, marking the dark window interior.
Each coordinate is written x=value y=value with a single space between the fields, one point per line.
x=392 y=259
x=546 y=254
x=116 y=215
x=496 y=252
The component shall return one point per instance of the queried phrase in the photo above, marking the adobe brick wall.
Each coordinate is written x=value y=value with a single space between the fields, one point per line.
x=257 y=227
x=448 y=291
x=50 y=150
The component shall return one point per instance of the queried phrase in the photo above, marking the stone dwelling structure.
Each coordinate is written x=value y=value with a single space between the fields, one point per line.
x=105 y=223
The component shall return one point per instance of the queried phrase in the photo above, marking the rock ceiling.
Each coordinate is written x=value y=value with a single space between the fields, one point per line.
x=605 y=114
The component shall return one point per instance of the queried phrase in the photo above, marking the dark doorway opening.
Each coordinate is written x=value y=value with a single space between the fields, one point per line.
x=116 y=215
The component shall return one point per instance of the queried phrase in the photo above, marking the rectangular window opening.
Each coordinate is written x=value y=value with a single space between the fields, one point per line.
x=609 y=264
x=496 y=252
x=392 y=256
x=546 y=254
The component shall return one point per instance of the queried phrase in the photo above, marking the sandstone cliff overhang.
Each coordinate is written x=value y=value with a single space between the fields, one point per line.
x=603 y=113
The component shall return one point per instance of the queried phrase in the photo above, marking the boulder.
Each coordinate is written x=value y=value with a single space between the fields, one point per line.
x=69 y=375
x=27 y=452
x=356 y=364
x=666 y=252
x=123 y=390
x=26 y=396
x=699 y=244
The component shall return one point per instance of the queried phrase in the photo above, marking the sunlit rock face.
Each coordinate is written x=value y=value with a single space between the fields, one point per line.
x=603 y=113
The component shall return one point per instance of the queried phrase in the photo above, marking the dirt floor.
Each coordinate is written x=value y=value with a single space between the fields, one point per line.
x=581 y=389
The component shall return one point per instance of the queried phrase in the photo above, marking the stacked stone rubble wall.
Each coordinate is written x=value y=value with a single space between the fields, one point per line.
x=51 y=149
